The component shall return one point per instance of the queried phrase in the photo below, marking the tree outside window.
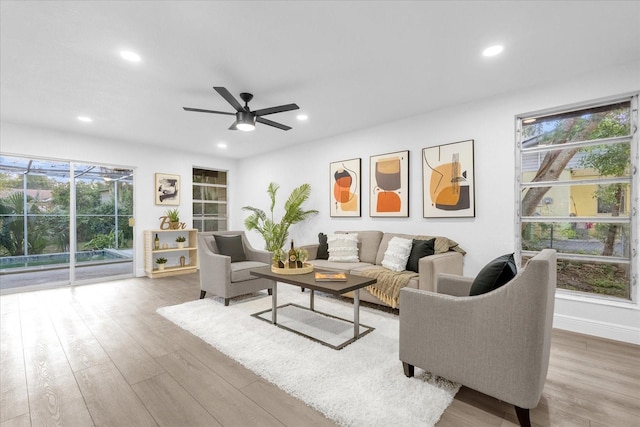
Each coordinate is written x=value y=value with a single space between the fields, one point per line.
x=575 y=187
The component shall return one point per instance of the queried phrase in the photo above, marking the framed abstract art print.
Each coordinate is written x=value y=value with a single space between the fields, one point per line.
x=389 y=185
x=167 y=189
x=344 y=181
x=448 y=183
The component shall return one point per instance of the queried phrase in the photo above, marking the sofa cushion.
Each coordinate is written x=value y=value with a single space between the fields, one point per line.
x=493 y=275
x=397 y=254
x=419 y=249
x=384 y=243
x=368 y=243
x=343 y=247
x=323 y=247
x=231 y=246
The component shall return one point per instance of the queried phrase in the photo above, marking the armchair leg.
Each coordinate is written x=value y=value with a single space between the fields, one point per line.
x=270 y=291
x=226 y=302
x=202 y=294
x=408 y=369
x=523 y=416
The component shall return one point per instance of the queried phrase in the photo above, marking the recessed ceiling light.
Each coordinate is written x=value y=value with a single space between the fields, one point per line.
x=130 y=56
x=222 y=145
x=85 y=119
x=302 y=117
x=493 y=50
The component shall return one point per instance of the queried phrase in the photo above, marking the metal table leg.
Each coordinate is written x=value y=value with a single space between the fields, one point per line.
x=311 y=301
x=274 y=304
x=356 y=313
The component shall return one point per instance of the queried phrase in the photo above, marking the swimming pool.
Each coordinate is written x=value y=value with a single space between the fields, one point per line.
x=60 y=260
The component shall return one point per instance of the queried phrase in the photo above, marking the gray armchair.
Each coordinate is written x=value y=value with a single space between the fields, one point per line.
x=227 y=279
x=497 y=343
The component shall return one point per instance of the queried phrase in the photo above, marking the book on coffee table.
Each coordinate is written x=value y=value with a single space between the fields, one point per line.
x=330 y=277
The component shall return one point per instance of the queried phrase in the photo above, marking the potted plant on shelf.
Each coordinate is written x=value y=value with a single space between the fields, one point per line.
x=275 y=234
x=181 y=240
x=161 y=263
x=174 y=218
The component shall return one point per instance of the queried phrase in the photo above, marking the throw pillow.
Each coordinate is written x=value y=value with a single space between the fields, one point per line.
x=231 y=246
x=493 y=275
x=397 y=254
x=343 y=247
x=419 y=249
x=323 y=248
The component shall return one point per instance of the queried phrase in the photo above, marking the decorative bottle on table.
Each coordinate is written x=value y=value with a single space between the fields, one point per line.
x=292 y=257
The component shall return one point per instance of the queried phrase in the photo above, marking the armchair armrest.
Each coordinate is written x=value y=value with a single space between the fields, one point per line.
x=496 y=343
x=430 y=266
x=463 y=338
x=453 y=285
x=258 y=255
x=213 y=266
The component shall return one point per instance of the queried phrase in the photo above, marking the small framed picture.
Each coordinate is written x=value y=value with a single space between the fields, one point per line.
x=344 y=188
x=167 y=189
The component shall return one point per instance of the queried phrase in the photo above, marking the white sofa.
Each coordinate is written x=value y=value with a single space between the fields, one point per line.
x=372 y=245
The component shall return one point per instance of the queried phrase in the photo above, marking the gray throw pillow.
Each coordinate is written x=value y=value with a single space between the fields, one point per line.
x=231 y=246
x=493 y=275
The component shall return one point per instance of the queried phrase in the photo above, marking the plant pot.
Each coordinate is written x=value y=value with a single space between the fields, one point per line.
x=161 y=267
x=174 y=225
x=180 y=245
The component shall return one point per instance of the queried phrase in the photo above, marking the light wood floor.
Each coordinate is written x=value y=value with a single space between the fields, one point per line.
x=100 y=355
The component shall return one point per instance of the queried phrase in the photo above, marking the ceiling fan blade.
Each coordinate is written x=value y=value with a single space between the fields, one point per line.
x=272 y=123
x=272 y=110
x=230 y=99
x=199 y=110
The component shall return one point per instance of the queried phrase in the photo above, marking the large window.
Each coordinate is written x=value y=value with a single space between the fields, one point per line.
x=577 y=192
x=209 y=200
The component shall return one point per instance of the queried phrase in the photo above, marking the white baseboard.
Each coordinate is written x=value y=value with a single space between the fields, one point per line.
x=599 y=329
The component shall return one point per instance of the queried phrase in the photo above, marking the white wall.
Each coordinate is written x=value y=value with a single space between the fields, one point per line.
x=145 y=160
x=492 y=232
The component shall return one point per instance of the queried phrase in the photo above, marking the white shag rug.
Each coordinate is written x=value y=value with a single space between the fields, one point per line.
x=361 y=385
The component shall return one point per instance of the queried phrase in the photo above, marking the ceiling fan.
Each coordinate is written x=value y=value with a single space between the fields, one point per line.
x=245 y=118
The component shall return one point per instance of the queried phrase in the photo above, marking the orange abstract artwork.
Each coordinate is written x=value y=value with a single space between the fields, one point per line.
x=345 y=177
x=389 y=183
x=448 y=176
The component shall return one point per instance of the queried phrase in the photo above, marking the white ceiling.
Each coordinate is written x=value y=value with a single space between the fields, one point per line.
x=348 y=65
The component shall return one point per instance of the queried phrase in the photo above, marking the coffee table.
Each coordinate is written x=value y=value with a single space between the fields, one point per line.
x=353 y=283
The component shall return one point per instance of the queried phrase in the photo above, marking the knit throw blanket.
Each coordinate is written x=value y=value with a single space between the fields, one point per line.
x=388 y=285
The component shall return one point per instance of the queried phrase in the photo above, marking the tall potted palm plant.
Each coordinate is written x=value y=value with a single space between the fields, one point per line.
x=275 y=234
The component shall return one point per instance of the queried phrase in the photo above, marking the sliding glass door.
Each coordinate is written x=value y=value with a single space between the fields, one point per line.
x=103 y=236
x=63 y=223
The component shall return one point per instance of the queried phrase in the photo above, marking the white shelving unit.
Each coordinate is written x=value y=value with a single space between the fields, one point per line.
x=169 y=249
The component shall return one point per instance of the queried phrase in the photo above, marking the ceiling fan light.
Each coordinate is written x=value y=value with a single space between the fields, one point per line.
x=245 y=121
x=245 y=127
